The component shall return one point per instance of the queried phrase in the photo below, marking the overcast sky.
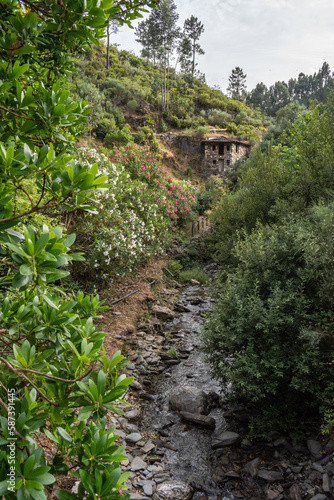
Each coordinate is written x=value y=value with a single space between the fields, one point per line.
x=271 y=40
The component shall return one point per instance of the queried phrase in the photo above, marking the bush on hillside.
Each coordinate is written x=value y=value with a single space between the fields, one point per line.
x=261 y=338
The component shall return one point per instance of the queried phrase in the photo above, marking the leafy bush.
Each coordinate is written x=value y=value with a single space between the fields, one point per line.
x=55 y=380
x=194 y=273
x=122 y=136
x=257 y=339
x=132 y=105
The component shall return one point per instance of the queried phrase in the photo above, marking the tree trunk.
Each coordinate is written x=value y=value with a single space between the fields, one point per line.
x=108 y=45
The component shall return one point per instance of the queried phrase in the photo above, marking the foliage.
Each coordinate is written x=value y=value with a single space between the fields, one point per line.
x=136 y=217
x=54 y=379
x=194 y=273
x=271 y=334
x=301 y=90
x=237 y=86
x=257 y=338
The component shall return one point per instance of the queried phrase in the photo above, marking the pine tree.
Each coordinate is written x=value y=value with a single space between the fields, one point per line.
x=159 y=36
x=193 y=28
x=237 y=84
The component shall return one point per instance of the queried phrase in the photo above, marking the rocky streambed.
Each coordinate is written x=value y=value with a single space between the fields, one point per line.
x=184 y=441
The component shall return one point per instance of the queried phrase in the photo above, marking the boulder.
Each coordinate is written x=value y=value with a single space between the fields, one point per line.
x=226 y=438
x=173 y=490
x=197 y=418
x=189 y=399
x=162 y=312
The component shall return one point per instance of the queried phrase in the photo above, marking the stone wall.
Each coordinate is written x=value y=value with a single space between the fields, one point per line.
x=215 y=163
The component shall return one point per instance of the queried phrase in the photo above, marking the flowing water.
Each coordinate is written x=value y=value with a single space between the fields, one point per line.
x=189 y=456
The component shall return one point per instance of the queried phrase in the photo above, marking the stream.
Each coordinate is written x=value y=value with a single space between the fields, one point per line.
x=171 y=457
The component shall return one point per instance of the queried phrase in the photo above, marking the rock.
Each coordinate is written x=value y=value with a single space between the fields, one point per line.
x=295 y=493
x=194 y=282
x=133 y=414
x=173 y=490
x=196 y=418
x=75 y=488
x=326 y=482
x=270 y=476
x=138 y=464
x=319 y=496
x=136 y=385
x=135 y=496
x=273 y=495
x=190 y=399
x=252 y=467
x=149 y=446
x=162 y=312
x=315 y=448
x=226 y=438
x=181 y=308
x=133 y=437
x=199 y=495
x=148 y=487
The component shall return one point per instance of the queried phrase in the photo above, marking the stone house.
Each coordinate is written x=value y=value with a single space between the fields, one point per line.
x=221 y=152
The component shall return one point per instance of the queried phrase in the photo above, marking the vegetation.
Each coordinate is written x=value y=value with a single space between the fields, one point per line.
x=271 y=333
x=136 y=86
x=55 y=381
x=301 y=90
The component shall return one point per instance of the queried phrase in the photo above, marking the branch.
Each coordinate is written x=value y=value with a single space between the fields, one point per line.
x=15 y=267
x=28 y=196
x=53 y=377
x=3 y=404
x=19 y=116
x=20 y=375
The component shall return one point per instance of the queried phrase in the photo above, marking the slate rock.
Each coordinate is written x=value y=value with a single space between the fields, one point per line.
x=315 y=448
x=295 y=493
x=196 y=418
x=319 y=496
x=226 y=438
x=270 y=476
x=138 y=464
x=134 y=437
x=190 y=399
x=251 y=468
x=162 y=312
x=173 y=490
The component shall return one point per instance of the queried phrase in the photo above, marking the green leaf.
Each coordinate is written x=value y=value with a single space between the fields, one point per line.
x=86 y=412
x=20 y=281
x=28 y=465
x=41 y=242
x=69 y=240
x=50 y=153
x=27 y=153
x=64 y=435
x=65 y=495
x=26 y=270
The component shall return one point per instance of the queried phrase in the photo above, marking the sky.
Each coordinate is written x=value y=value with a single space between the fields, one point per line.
x=271 y=40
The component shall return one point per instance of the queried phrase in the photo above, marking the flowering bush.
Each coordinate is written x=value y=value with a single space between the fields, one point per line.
x=178 y=197
x=135 y=218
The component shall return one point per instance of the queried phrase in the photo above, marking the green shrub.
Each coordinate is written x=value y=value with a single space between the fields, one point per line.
x=123 y=136
x=195 y=273
x=259 y=338
x=132 y=105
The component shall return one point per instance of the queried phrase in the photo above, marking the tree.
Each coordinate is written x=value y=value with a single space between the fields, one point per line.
x=193 y=28
x=258 y=97
x=51 y=360
x=237 y=84
x=159 y=35
x=112 y=28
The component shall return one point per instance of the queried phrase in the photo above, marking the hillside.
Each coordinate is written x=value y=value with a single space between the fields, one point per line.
x=125 y=102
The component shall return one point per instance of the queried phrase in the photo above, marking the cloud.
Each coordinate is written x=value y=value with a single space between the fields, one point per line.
x=270 y=40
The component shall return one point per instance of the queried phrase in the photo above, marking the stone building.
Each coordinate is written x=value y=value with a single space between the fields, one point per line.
x=221 y=152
